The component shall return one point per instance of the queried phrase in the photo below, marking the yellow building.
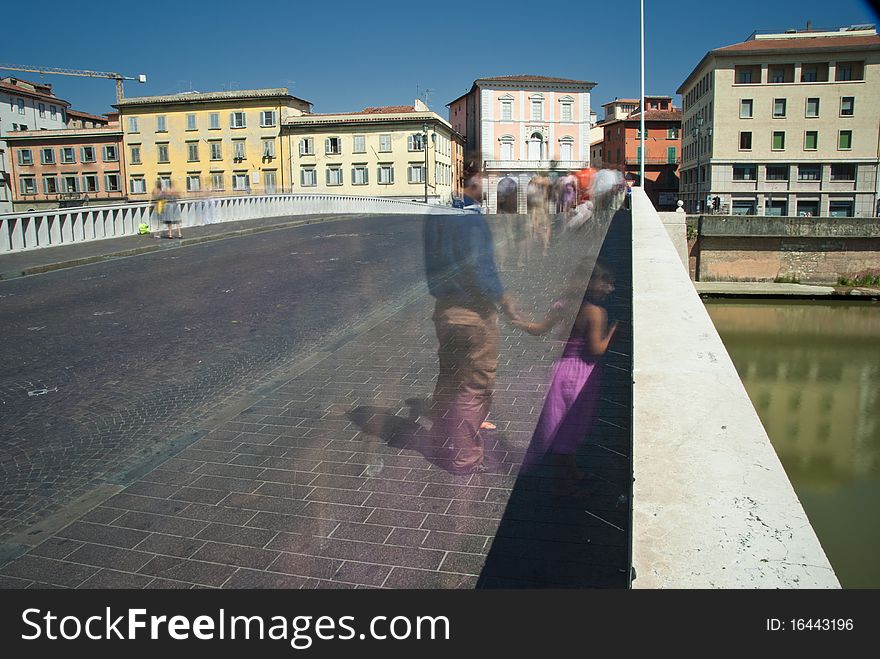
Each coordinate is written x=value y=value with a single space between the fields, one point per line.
x=377 y=152
x=217 y=142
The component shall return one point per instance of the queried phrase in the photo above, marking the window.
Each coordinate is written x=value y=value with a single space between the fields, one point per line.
x=132 y=122
x=137 y=185
x=745 y=108
x=268 y=148
x=111 y=153
x=807 y=208
x=566 y=149
x=68 y=155
x=162 y=152
x=70 y=183
x=237 y=120
x=811 y=140
x=193 y=183
x=778 y=140
x=844 y=140
x=267 y=118
x=384 y=143
x=845 y=71
x=359 y=175
x=20 y=103
x=90 y=183
x=216 y=149
x=847 y=106
x=743 y=76
x=745 y=141
x=360 y=144
x=308 y=177
x=27 y=185
x=744 y=172
x=809 y=74
x=672 y=133
x=88 y=154
x=42 y=107
x=307 y=146
x=565 y=111
x=744 y=207
x=843 y=172
x=840 y=208
x=269 y=181
x=671 y=154
x=50 y=185
x=165 y=181
x=238 y=149
x=778 y=108
x=53 y=113
x=240 y=181
x=537 y=109
x=777 y=172
x=506 y=110
x=217 y=181
x=812 y=107
x=191 y=122
x=47 y=156
x=111 y=183
x=809 y=172
x=507 y=148
x=333 y=146
x=192 y=151
x=214 y=122
x=386 y=174
x=161 y=126
x=415 y=142
x=135 y=151
x=25 y=157
x=415 y=173
x=334 y=175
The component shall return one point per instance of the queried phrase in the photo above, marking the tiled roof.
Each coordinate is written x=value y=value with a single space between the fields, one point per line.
x=388 y=109
x=22 y=91
x=532 y=78
x=799 y=43
x=658 y=115
x=206 y=96
x=86 y=115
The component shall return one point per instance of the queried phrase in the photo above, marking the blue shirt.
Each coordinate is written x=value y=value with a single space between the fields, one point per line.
x=460 y=259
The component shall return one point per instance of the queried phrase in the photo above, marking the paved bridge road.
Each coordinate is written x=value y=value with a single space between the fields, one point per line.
x=105 y=366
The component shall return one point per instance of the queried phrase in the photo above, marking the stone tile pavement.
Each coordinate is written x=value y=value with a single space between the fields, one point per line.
x=324 y=481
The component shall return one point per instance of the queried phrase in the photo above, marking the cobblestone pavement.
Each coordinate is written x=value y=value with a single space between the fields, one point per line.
x=256 y=407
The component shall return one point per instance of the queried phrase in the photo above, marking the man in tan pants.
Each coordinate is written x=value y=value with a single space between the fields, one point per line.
x=460 y=267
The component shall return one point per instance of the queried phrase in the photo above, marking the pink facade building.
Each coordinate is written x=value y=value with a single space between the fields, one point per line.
x=524 y=125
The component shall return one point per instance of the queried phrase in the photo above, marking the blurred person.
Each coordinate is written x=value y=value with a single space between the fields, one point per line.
x=463 y=279
x=172 y=211
x=570 y=408
x=538 y=195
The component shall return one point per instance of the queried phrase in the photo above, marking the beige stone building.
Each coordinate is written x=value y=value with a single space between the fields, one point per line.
x=785 y=124
x=377 y=152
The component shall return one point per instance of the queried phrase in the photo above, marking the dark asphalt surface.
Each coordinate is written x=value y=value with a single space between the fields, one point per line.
x=103 y=366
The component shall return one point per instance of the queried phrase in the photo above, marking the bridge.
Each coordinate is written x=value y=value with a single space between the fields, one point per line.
x=248 y=407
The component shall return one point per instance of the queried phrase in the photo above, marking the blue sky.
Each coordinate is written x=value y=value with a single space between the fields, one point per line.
x=349 y=55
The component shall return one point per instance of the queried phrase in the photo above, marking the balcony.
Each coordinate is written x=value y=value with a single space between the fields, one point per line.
x=534 y=165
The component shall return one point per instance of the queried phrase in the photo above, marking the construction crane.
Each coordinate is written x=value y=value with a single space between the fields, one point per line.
x=118 y=77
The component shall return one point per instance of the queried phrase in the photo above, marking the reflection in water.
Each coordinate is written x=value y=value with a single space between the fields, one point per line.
x=812 y=371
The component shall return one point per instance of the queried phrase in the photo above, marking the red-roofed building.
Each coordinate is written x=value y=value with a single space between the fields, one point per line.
x=784 y=124
x=621 y=146
x=24 y=105
x=519 y=126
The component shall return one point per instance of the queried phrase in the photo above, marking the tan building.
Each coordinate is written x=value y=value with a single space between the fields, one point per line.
x=785 y=124
x=68 y=167
x=77 y=119
x=377 y=152
x=216 y=142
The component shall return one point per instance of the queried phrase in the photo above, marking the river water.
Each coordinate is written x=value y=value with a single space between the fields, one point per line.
x=812 y=371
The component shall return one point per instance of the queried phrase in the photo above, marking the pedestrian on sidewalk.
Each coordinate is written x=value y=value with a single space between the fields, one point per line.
x=167 y=208
x=463 y=279
x=570 y=408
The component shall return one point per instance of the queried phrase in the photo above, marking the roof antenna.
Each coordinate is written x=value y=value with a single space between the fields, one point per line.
x=809 y=25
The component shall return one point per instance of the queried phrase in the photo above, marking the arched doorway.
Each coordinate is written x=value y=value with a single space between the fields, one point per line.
x=507 y=195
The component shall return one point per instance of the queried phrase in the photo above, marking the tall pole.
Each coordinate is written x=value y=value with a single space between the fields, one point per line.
x=642 y=113
x=425 y=147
